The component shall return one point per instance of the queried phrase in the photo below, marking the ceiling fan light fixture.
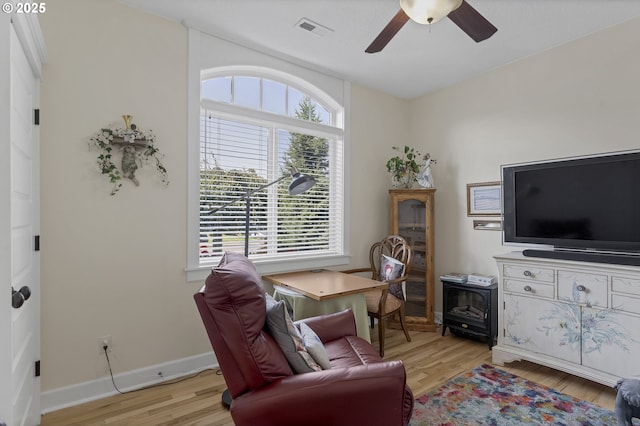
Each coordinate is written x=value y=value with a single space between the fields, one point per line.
x=428 y=11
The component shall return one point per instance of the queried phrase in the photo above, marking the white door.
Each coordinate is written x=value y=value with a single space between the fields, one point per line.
x=19 y=224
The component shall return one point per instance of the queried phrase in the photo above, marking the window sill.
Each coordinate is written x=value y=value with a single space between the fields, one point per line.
x=200 y=273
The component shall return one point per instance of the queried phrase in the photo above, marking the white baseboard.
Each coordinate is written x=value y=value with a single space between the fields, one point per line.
x=438 y=318
x=69 y=396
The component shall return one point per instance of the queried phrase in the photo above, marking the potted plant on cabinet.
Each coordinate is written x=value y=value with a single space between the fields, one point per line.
x=404 y=167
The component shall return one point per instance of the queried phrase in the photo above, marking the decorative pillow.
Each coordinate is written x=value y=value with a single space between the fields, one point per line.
x=314 y=346
x=270 y=301
x=390 y=269
x=285 y=333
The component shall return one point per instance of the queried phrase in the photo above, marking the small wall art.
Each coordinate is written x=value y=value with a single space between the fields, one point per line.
x=484 y=199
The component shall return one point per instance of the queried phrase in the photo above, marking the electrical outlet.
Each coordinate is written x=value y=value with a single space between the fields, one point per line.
x=104 y=341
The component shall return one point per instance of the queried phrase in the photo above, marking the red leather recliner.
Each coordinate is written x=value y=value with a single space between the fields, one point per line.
x=359 y=388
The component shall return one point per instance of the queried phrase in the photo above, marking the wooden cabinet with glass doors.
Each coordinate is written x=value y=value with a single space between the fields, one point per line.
x=411 y=212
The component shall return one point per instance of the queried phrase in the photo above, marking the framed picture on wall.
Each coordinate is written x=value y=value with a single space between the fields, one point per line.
x=484 y=199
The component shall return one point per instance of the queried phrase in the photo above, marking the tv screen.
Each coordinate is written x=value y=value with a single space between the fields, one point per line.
x=589 y=203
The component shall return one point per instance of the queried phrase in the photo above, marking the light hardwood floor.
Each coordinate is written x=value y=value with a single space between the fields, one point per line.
x=429 y=359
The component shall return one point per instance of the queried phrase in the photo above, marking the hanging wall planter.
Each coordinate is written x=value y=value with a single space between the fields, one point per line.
x=137 y=147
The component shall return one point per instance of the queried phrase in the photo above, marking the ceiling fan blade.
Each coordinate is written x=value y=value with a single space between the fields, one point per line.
x=388 y=32
x=471 y=22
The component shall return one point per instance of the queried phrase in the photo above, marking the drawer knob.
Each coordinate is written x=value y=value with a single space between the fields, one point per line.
x=527 y=288
x=527 y=274
x=581 y=288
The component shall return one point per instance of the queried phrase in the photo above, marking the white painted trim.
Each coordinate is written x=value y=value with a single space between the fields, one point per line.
x=308 y=127
x=321 y=86
x=30 y=35
x=346 y=152
x=273 y=266
x=193 y=149
x=80 y=393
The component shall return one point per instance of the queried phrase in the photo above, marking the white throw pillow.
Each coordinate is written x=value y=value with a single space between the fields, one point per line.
x=314 y=346
x=390 y=268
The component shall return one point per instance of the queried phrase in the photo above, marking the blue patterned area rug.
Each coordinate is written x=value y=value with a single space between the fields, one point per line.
x=489 y=396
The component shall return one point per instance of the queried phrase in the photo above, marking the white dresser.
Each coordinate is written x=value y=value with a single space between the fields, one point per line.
x=578 y=317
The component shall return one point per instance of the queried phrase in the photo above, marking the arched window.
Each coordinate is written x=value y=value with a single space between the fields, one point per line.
x=255 y=125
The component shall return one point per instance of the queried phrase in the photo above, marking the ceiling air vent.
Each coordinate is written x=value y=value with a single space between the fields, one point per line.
x=313 y=27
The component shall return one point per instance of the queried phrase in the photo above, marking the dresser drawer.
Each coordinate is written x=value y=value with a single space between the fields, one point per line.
x=529 y=272
x=625 y=285
x=583 y=288
x=530 y=288
x=623 y=303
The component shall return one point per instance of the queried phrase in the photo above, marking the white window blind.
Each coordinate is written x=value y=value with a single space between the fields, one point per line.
x=242 y=152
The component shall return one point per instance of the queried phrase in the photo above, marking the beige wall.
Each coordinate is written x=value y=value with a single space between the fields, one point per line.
x=580 y=98
x=112 y=265
x=115 y=265
x=378 y=122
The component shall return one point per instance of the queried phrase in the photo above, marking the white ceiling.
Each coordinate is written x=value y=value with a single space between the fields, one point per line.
x=419 y=59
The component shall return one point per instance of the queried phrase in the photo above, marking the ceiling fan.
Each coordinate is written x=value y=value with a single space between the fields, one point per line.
x=431 y=11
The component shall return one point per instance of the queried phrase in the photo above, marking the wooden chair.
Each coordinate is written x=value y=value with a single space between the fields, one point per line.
x=382 y=304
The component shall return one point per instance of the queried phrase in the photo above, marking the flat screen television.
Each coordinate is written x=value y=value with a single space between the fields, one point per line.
x=587 y=208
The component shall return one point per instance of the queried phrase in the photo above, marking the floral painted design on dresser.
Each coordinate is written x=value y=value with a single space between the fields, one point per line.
x=584 y=327
x=511 y=321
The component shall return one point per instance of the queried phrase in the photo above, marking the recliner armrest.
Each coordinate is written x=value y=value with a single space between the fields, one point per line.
x=373 y=394
x=332 y=326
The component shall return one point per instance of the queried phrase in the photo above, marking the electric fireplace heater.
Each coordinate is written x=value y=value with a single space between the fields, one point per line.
x=470 y=310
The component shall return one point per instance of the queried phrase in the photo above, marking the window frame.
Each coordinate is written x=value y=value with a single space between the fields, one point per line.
x=196 y=271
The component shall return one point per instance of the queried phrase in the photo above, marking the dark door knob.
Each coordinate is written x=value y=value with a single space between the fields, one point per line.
x=26 y=292
x=19 y=297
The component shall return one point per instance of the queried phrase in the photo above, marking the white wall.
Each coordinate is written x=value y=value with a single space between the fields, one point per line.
x=579 y=98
